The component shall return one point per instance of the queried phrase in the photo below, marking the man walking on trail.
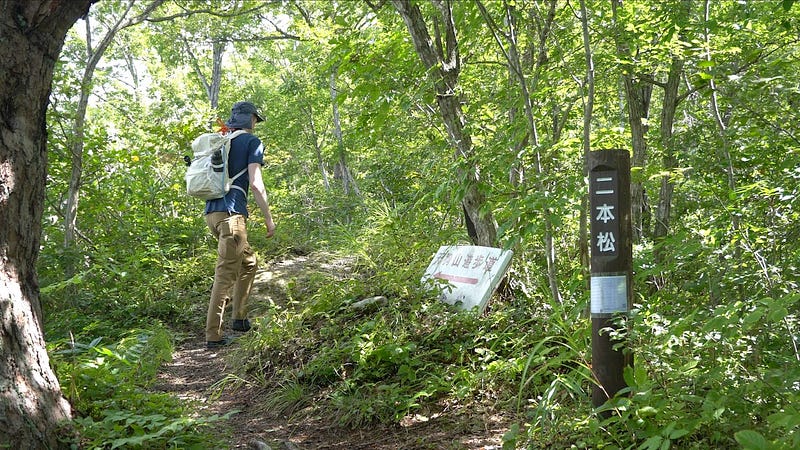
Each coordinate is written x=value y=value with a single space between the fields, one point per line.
x=227 y=219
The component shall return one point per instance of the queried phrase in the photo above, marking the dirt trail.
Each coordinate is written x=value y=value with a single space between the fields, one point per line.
x=198 y=376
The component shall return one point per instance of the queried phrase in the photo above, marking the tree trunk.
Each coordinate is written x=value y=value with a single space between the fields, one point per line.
x=637 y=95
x=348 y=182
x=212 y=85
x=93 y=56
x=512 y=55
x=443 y=65
x=313 y=136
x=670 y=161
x=667 y=189
x=588 y=111
x=218 y=49
x=516 y=174
x=31 y=35
x=722 y=123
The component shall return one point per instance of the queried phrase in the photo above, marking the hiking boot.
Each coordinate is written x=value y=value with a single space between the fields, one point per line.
x=212 y=345
x=242 y=325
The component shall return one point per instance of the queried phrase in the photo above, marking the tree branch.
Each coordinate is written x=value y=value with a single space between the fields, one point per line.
x=209 y=11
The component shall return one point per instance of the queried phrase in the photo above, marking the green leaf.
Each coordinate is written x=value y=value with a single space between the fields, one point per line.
x=689 y=366
x=751 y=440
x=778 y=314
x=787 y=5
x=752 y=318
x=785 y=420
x=511 y=436
x=646 y=411
x=676 y=434
x=652 y=443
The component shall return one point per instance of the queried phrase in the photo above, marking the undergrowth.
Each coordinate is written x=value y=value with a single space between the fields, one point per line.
x=707 y=374
x=410 y=356
x=107 y=339
x=715 y=348
x=107 y=386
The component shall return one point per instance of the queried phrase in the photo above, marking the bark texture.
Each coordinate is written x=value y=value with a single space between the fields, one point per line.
x=342 y=169
x=637 y=95
x=670 y=159
x=31 y=35
x=443 y=63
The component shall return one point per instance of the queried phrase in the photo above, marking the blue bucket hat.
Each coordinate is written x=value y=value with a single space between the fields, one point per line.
x=242 y=114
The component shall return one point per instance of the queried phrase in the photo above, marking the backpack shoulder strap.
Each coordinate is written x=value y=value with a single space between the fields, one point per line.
x=229 y=138
x=227 y=152
x=235 y=134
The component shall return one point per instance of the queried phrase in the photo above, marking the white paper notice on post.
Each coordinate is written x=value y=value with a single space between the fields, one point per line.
x=609 y=294
x=472 y=273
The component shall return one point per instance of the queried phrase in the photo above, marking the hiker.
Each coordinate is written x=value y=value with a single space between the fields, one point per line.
x=227 y=219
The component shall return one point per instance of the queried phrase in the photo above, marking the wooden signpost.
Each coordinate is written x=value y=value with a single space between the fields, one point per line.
x=611 y=269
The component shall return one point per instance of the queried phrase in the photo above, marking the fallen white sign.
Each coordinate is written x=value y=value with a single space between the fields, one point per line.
x=472 y=272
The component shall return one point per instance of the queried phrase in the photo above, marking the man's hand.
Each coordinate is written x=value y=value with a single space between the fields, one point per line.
x=260 y=196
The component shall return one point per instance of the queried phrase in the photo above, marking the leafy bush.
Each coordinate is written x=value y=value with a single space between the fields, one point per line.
x=715 y=378
x=387 y=361
x=107 y=388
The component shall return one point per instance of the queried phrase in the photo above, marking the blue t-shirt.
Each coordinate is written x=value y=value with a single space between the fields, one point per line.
x=245 y=150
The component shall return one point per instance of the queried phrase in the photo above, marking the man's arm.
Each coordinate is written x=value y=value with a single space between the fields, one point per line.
x=260 y=194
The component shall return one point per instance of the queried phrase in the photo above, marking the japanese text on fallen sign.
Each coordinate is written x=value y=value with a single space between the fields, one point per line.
x=472 y=273
x=455 y=258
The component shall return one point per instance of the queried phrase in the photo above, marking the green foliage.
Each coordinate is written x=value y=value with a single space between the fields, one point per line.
x=122 y=429
x=715 y=331
x=107 y=387
x=90 y=372
x=383 y=362
x=691 y=387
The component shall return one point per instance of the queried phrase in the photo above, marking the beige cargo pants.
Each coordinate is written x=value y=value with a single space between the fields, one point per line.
x=234 y=273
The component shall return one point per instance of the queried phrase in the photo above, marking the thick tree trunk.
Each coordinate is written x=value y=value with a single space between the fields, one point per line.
x=444 y=65
x=31 y=35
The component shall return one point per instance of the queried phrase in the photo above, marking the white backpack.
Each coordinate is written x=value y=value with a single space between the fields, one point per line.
x=207 y=175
